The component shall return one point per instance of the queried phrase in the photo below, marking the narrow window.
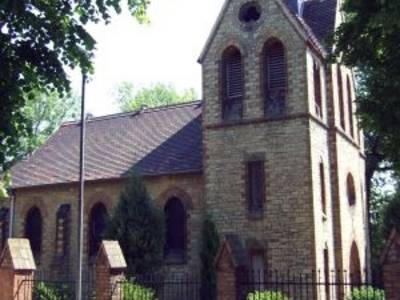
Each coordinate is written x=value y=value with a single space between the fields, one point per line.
x=340 y=94
x=257 y=261
x=232 y=84
x=97 y=226
x=351 y=191
x=33 y=230
x=355 y=266
x=4 y=223
x=175 y=240
x=317 y=89
x=63 y=220
x=350 y=104
x=275 y=78
x=323 y=190
x=255 y=186
x=326 y=274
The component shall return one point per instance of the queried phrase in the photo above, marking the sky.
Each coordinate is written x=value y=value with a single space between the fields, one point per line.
x=166 y=50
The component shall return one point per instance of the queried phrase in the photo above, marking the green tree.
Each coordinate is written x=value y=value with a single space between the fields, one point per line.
x=139 y=227
x=158 y=94
x=368 y=40
x=208 y=252
x=38 y=40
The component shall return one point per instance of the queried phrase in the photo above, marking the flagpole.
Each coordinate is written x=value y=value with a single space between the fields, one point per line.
x=81 y=194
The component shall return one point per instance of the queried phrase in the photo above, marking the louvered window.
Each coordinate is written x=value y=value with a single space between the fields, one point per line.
x=63 y=224
x=232 y=75
x=341 y=102
x=317 y=90
x=255 y=186
x=275 y=78
x=350 y=104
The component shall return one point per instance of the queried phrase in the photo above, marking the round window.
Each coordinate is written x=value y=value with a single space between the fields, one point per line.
x=250 y=12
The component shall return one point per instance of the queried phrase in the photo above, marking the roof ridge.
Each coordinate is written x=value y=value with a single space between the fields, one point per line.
x=135 y=112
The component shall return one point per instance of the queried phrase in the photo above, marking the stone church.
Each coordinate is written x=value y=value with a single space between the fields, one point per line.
x=273 y=153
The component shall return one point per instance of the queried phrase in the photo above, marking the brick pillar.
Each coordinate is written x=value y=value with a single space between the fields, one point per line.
x=229 y=267
x=110 y=268
x=390 y=261
x=17 y=268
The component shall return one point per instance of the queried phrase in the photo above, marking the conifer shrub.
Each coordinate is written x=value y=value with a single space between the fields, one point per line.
x=139 y=227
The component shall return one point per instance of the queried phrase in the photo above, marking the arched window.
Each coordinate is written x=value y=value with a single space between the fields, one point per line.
x=4 y=225
x=317 y=90
x=350 y=105
x=355 y=266
x=232 y=84
x=33 y=230
x=323 y=189
x=97 y=226
x=327 y=273
x=340 y=95
x=175 y=240
x=351 y=191
x=275 y=78
x=63 y=223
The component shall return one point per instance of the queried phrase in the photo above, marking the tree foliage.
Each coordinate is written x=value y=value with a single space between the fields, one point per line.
x=139 y=227
x=369 y=41
x=158 y=94
x=38 y=40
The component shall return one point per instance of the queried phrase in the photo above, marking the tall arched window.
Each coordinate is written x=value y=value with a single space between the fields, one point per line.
x=175 y=240
x=4 y=225
x=350 y=105
x=355 y=266
x=33 y=230
x=97 y=226
x=63 y=220
x=275 y=78
x=340 y=95
x=351 y=191
x=232 y=84
x=317 y=89
x=323 y=189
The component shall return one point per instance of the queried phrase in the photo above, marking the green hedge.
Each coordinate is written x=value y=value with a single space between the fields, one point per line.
x=134 y=291
x=53 y=291
x=366 y=293
x=267 y=295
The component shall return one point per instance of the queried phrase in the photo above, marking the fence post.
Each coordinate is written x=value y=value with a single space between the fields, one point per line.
x=390 y=261
x=110 y=269
x=229 y=265
x=17 y=268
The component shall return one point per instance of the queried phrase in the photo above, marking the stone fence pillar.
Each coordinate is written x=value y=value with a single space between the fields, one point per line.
x=230 y=264
x=390 y=261
x=17 y=268
x=110 y=268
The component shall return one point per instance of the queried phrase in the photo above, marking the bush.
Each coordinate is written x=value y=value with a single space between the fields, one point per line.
x=134 y=291
x=48 y=291
x=366 y=293
x=267 y=295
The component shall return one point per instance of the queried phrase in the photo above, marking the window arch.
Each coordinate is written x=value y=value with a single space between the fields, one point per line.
x=350 y=106
x=340 y=95
x=275 y=78
x=351 y=191
x=232 y=84
x=33 y=230
x=97 y=226
x=355 y=265
x=175 y=239
x=63 y=223
x=323 y=188
x=317 y=89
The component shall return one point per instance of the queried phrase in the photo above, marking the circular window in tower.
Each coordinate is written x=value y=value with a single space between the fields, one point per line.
x=250 y=12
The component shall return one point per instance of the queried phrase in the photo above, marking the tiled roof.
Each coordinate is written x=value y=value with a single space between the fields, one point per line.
x=320 y=17
x=164 y=140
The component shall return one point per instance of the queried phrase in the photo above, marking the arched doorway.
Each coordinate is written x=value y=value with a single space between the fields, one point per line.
x=175 y=239
x=355 y=266
x=97 y=225
x=33 y=230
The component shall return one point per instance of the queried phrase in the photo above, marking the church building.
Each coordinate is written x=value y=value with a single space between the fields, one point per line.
x=273 y=153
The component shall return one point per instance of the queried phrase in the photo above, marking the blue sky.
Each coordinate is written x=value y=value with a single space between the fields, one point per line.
x=165 y=51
